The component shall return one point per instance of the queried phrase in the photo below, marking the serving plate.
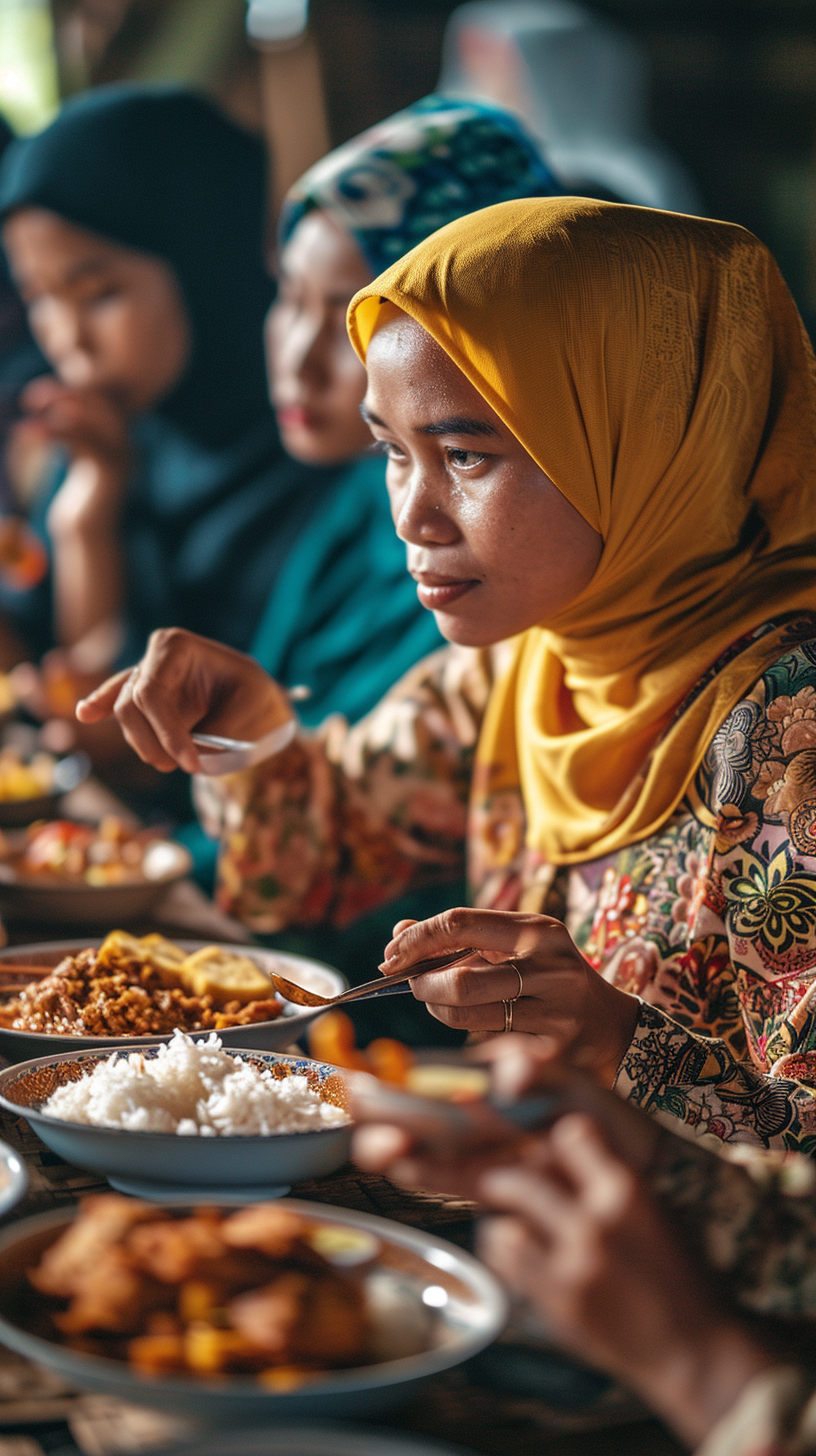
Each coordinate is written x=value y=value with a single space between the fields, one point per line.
x=13 y=1178
x=20 y=1046
x=471 y=1310
x=182 y=1169
x=52 y=900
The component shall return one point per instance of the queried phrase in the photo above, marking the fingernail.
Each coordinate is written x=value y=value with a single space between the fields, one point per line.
x=388 y=964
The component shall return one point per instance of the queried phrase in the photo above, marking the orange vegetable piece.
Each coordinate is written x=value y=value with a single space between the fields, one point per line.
x=390 y=1060
x=331 y=1039
x=155 y=1354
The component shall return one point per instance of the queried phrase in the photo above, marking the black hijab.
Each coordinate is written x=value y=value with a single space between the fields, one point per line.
x=166 y=172
x=215 y=504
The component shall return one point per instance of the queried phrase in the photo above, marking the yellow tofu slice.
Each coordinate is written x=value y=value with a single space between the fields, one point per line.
x=118 y=946
x=166 y=956
x=224 y=976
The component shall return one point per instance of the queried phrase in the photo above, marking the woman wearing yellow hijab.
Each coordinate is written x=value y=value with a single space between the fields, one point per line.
x=601 y=430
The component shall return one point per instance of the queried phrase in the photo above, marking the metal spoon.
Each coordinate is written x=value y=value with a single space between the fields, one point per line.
x=383 y=986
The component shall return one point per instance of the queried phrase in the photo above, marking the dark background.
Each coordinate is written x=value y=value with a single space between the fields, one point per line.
x=734 y=84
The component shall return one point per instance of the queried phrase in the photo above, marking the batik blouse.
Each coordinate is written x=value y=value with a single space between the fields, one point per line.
x=711 y=922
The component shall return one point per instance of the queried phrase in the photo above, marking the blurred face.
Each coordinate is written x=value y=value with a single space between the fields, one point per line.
x=494 y=546
x=106 y=317
x=317 y=380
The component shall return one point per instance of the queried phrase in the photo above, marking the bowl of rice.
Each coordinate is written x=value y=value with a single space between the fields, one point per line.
x=186 y=1119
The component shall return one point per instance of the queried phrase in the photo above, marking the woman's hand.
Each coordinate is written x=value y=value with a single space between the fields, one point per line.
x=94 y=430
x=185 y=682
x=585 y=1243
x=554 y=992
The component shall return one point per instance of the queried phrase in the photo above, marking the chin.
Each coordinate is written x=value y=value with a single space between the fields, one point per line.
x=466 y=633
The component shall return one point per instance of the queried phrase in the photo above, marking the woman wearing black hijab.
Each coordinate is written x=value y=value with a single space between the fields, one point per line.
x=135 y=225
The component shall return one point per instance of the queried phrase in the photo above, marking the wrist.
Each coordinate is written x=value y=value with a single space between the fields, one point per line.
x=699 y=1382
x=88 y=503
x=618 y=1018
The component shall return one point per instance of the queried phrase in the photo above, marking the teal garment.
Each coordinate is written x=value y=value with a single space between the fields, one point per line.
x=343 y=616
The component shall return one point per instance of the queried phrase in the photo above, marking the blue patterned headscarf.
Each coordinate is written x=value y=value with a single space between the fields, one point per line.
x=398 y=182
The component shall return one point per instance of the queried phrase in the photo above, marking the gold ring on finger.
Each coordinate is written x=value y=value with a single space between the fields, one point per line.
x=517 y=970
x=508 y=1014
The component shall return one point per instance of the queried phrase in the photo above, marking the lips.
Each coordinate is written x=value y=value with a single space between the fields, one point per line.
x=294 y=417
x=438 y=592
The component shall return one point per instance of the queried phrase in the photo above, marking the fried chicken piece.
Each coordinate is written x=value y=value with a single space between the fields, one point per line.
x=178 y=1250
x=175 y=1249
x=298 y=1317
x=276 y=1232
x=102 y=1221
x=113 y=1296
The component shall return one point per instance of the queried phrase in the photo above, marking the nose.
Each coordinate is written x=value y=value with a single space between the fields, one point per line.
x=419 y=511
x=302 y=351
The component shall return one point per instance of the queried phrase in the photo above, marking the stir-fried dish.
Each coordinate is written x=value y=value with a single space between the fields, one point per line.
x=143 y=987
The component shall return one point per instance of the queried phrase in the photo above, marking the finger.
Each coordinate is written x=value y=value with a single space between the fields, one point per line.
x=138 y=732
x=100 y=703
x=158 y=707
x=474 y=983
x=521 y=1261
x=375 y=1147
x=402 y=925
x=509 y=932
x=605 y=1185
x=539 y=1196
x=145 y=738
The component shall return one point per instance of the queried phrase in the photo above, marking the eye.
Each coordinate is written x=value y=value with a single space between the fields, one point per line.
x=105 y=295
x=465 y=459
x=388 y=449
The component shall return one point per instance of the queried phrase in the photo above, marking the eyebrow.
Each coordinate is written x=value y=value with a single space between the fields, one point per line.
x=452 y=425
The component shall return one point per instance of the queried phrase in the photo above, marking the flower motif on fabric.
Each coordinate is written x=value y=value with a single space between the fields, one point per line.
x=773 y=905
x=727 y=762
x=796 y=719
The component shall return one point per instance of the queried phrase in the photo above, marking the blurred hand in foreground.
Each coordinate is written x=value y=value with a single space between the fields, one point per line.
x=186 y=682
x=578 y=1235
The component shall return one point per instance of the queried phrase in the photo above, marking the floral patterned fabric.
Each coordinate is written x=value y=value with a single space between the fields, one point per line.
x=711 y=922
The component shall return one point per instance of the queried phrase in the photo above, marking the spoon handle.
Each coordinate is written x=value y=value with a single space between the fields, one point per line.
x=394 y=985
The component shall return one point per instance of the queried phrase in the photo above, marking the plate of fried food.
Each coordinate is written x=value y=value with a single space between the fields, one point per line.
x=127 y=990
x=31 y=783
x=187 y=1120
x=90 y=874
x=277 y=1310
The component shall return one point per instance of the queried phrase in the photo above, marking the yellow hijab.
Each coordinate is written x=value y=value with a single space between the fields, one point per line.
x=655 y=367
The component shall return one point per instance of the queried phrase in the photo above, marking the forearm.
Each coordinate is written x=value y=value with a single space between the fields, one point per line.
x=88 y=573
x=695 y=1385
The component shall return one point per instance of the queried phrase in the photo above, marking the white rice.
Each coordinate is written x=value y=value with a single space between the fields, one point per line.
x=192 y=1088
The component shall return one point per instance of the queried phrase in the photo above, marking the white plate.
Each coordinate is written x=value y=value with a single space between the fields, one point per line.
x=470 y=1318
x=13 y=1178
x=21 y=1046
x=189 y=1168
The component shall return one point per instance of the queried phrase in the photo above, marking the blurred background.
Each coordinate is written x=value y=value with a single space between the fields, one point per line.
x=731 y=83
